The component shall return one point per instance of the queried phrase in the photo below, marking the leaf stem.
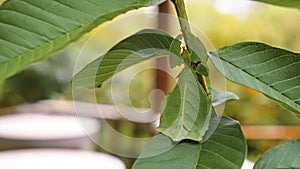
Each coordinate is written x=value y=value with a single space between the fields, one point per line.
x=183 y=19
x=185 y=29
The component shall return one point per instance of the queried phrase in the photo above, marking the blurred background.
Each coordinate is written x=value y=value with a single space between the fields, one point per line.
x=224 y=22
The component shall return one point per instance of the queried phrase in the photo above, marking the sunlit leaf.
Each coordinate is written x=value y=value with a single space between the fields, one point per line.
x=225 y=148
x=141 y=46
x=32 y=29
x=272 y=71
x=286 y=155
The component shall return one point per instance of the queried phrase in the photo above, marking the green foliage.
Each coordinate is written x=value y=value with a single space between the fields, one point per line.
x=143 y=45
x=187 y=111
x=60 y=22
x=191 y=113
x=269 y=70
x=225 y=148
x=198 y=51
x=286 y=155
x=175 y=50
x=202 y=70
x=285 y=3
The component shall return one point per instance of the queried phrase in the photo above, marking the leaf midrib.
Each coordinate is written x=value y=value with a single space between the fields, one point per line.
x=198 y=156
x=181 y=121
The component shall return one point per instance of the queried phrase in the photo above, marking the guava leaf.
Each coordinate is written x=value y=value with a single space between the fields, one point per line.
x=272 y=71
x=30 y=30
x=187 y=112
x=225 y=148
x=285 y=155
x=197 y=49
x=139 y=47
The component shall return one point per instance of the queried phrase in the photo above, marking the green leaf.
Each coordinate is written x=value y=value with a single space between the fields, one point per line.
x=187 y=111
x=198 y=51
x=225 y=148
x=218 y=96
x=285 y=3
x=32 y=29
x=283 y=156
x=202 y=70
x=272 y=71
x=143 y=45
x=175 y=51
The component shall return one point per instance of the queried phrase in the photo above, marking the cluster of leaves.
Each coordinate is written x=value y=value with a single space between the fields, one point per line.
x=191 y=134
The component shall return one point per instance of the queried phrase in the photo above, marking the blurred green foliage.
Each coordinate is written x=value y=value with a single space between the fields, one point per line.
x=43 y=80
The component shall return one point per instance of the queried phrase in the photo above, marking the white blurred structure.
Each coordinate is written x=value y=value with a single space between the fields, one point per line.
x=231 y=7
x=248 y=164
x=28 y=130
x=57 y=159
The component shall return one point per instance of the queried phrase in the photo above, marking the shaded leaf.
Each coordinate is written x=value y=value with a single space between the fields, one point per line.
x=272 y=71
x=32 y=29
x=143 y=45
x=202 y=70
x=225 y=148
x=285 y=3
x=175 y=51
x=197 y=52
x=283 y=156
x=218 y=96
x=187 y=111
x=197 y=49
